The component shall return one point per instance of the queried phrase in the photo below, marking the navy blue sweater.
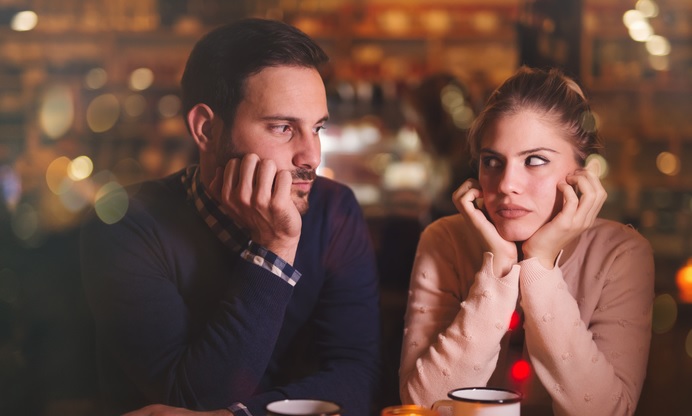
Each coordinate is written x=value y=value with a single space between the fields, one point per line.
x=182 y=321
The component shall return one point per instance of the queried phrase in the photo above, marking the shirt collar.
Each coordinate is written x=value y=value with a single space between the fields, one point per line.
x=211 y=212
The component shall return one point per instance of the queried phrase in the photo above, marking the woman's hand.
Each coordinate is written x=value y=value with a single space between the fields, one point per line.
x=467 y=199
x=577 y=215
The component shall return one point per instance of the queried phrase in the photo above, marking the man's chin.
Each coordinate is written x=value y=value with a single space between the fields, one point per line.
x=301 y=202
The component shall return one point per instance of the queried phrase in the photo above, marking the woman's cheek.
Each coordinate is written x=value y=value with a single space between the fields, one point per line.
x=558 y=199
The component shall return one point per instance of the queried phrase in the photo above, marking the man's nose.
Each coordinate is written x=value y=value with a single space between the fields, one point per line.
x=307 y=150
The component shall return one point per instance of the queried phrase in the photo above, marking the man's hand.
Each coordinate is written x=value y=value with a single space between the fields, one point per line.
x=258 y=198
x=163 y=410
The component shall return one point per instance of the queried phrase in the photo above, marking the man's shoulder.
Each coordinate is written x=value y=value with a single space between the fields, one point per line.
x=330 y=193
x=170 y=186
x=148 y=198
x=330 y=186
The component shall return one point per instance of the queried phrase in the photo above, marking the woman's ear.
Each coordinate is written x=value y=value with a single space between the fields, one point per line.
x=201 y=120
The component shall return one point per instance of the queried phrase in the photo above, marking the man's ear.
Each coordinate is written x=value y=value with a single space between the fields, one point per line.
x=202 y=121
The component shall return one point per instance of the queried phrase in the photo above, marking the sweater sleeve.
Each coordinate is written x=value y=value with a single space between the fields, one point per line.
x=346 y=319
x=597 y=367
x=171 y=355
x=452 y=340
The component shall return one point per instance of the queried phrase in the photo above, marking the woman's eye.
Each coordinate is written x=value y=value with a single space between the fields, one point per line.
x=491 y=162
x=536 y=161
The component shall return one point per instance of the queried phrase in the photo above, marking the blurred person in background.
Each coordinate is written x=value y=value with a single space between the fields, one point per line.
x=244 y=279
x=441 y=110
x=527 y=242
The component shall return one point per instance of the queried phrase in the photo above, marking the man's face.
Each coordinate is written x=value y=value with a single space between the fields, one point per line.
x=522 y=159
x=283 y=110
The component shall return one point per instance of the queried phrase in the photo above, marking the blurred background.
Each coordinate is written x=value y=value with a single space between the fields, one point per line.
x=89 y=102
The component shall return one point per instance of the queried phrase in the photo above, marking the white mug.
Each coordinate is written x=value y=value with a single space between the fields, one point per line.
x=303 y=407
x=482 y=401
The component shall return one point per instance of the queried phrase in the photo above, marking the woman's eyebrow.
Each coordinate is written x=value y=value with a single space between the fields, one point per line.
x=522 y=153
x=537 y=149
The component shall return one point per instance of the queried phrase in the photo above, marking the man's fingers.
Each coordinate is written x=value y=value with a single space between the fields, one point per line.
x=265 y=175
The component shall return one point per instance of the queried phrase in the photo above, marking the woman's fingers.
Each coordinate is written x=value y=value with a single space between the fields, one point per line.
x=591 y=196
x=466 y=193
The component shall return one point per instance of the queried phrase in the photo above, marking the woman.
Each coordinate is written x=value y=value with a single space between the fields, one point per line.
x=527 y=242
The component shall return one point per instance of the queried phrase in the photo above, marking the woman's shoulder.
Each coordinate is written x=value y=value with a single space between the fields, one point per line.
x=446 y=225
x=615 y=234
x=450 y=231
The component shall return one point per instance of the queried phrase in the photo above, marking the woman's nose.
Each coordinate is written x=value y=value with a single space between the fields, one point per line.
x=511 y=181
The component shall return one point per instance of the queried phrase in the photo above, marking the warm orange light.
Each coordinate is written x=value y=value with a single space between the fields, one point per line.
x=521 y=370
x=684 y=282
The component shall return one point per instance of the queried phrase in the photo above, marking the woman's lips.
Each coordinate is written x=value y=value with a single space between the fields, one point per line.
x=511 y=211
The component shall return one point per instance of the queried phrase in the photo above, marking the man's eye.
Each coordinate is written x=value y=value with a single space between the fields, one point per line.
x=319 y=129
x=281 y=128
x=536 y=161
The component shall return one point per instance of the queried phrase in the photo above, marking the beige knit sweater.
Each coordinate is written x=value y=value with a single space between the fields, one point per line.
x=587 y=323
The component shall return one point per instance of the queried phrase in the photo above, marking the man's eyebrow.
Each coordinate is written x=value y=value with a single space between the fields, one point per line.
x=291 y=119
x=523 y=152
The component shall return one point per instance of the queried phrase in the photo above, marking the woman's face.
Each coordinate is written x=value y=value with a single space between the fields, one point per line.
x=522 y=159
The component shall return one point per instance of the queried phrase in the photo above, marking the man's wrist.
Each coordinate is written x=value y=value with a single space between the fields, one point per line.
x=236 y=409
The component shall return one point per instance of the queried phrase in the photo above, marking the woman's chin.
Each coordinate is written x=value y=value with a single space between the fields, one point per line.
x=515 y=234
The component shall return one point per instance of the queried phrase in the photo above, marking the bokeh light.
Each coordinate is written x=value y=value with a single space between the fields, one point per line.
x=436 y=21
x=659 y=63
x=658 y=45
x=135 y=105
x=601 y=164
x=56 y=112
x=24 y=21
x=665 y=313
x=647 y=8
x=632 y=17
x=453 y=101
x=169 y=105
x=521 y=370
x=683 y=279
x=25 y=222
x=641 y=31
x=74 y=199
x=514 y=321
x=588 y=121
x=96 y=78
x=668 y=163
x=141 y=79
x=80 y=168
x=462 y=117
x=111 y=203
x=103 y=112
x=57 y=177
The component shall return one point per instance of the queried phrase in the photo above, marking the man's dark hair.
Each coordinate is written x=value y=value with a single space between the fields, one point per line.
x=224 y=58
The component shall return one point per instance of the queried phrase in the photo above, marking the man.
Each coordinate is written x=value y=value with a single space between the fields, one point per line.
x=222 y=281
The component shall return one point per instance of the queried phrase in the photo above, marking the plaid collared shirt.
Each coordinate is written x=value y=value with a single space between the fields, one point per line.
x=235 y=238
